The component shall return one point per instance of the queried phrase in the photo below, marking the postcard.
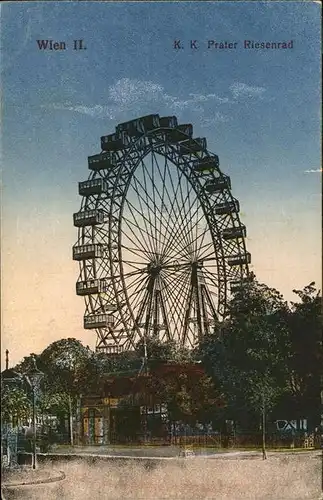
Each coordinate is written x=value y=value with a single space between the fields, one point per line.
x=158 y=157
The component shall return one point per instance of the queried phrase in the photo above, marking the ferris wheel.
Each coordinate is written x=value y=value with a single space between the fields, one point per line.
x=160 y=244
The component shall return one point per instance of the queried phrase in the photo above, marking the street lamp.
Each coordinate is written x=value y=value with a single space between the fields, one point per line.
x=34 y=377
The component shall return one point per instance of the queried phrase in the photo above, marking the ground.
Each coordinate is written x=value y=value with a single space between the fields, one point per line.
x=229 y=476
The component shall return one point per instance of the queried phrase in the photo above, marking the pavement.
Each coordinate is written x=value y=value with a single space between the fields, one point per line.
x=26 y=476
x=169 y=452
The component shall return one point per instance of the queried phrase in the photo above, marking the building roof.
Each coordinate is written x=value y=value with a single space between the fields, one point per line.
x=10 y=374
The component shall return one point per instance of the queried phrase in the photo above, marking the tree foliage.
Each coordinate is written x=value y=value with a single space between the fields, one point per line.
x=266 y=352
x=256 y=357
x=14 y=403
x=306 y=360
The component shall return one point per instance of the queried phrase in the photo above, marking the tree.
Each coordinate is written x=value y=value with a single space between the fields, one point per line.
x=65 y=364
x=306 y=360
x=15 y=404
x=247 y=357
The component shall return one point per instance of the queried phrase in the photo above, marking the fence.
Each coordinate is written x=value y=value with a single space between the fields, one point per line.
x=9 y=447
x=236 y=441
x=217 y=440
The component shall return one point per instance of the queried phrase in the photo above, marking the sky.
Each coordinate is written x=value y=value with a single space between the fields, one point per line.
x=258 y=108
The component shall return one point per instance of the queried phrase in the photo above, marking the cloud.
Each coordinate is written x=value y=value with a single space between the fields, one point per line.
x=127 y=92
x=136 y=96
x=94 y=111
x=133 y=96
x=239 y=90
x=208 y=97
x=312 y=171
x=213 y=120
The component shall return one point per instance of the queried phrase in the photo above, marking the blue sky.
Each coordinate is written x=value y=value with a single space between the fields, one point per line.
x=258 y=109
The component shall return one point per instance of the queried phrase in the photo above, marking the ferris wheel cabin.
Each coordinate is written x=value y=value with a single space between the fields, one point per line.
x=240 y=260
x=237 y=285
x=91 y=251
x=180 y=133
x=231 y=233
x=88 y=218
x=115 y=142
x=168 y=122
x=192 y=146
x=93 y=186
x=101 y=320
x=206 y=165
x=218 y=184
x=102 y=161
x=139 y=126
x=227 y=208
x=91 y=287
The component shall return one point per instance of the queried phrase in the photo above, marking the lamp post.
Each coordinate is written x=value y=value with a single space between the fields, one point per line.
x=34 y=377
x=10 y=380
x=263 y=415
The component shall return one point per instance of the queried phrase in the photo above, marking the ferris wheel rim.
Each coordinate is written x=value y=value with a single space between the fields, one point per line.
x=131 y=175
x=110 y=202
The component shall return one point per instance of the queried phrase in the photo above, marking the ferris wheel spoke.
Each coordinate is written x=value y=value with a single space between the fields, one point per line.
x=190 y=218
x=133 y=273
x=137 y=295
x=210 y=277
x=139 y=281
x=127 y=236
x=169 y=222
x=153 y=226
x=176 y=250
x=140 y=216
x=175 y=289
x=180 y=251
x=157 y=233
x=164 y=189
x=178 y=214
x=163 y=207
x=173 y=269
x=201 y=237
x=182 y=318
x=207 y=258
x=210 y=280
x=134 y=263
x=171 y=284
x=141 y=212
x=186 y=223
x=172 y=294
x=135 y=251
x=183 y=229
x=142 y=231
x=175 y=218
x=176 y=278
x=128 y=273
x=204 y=252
